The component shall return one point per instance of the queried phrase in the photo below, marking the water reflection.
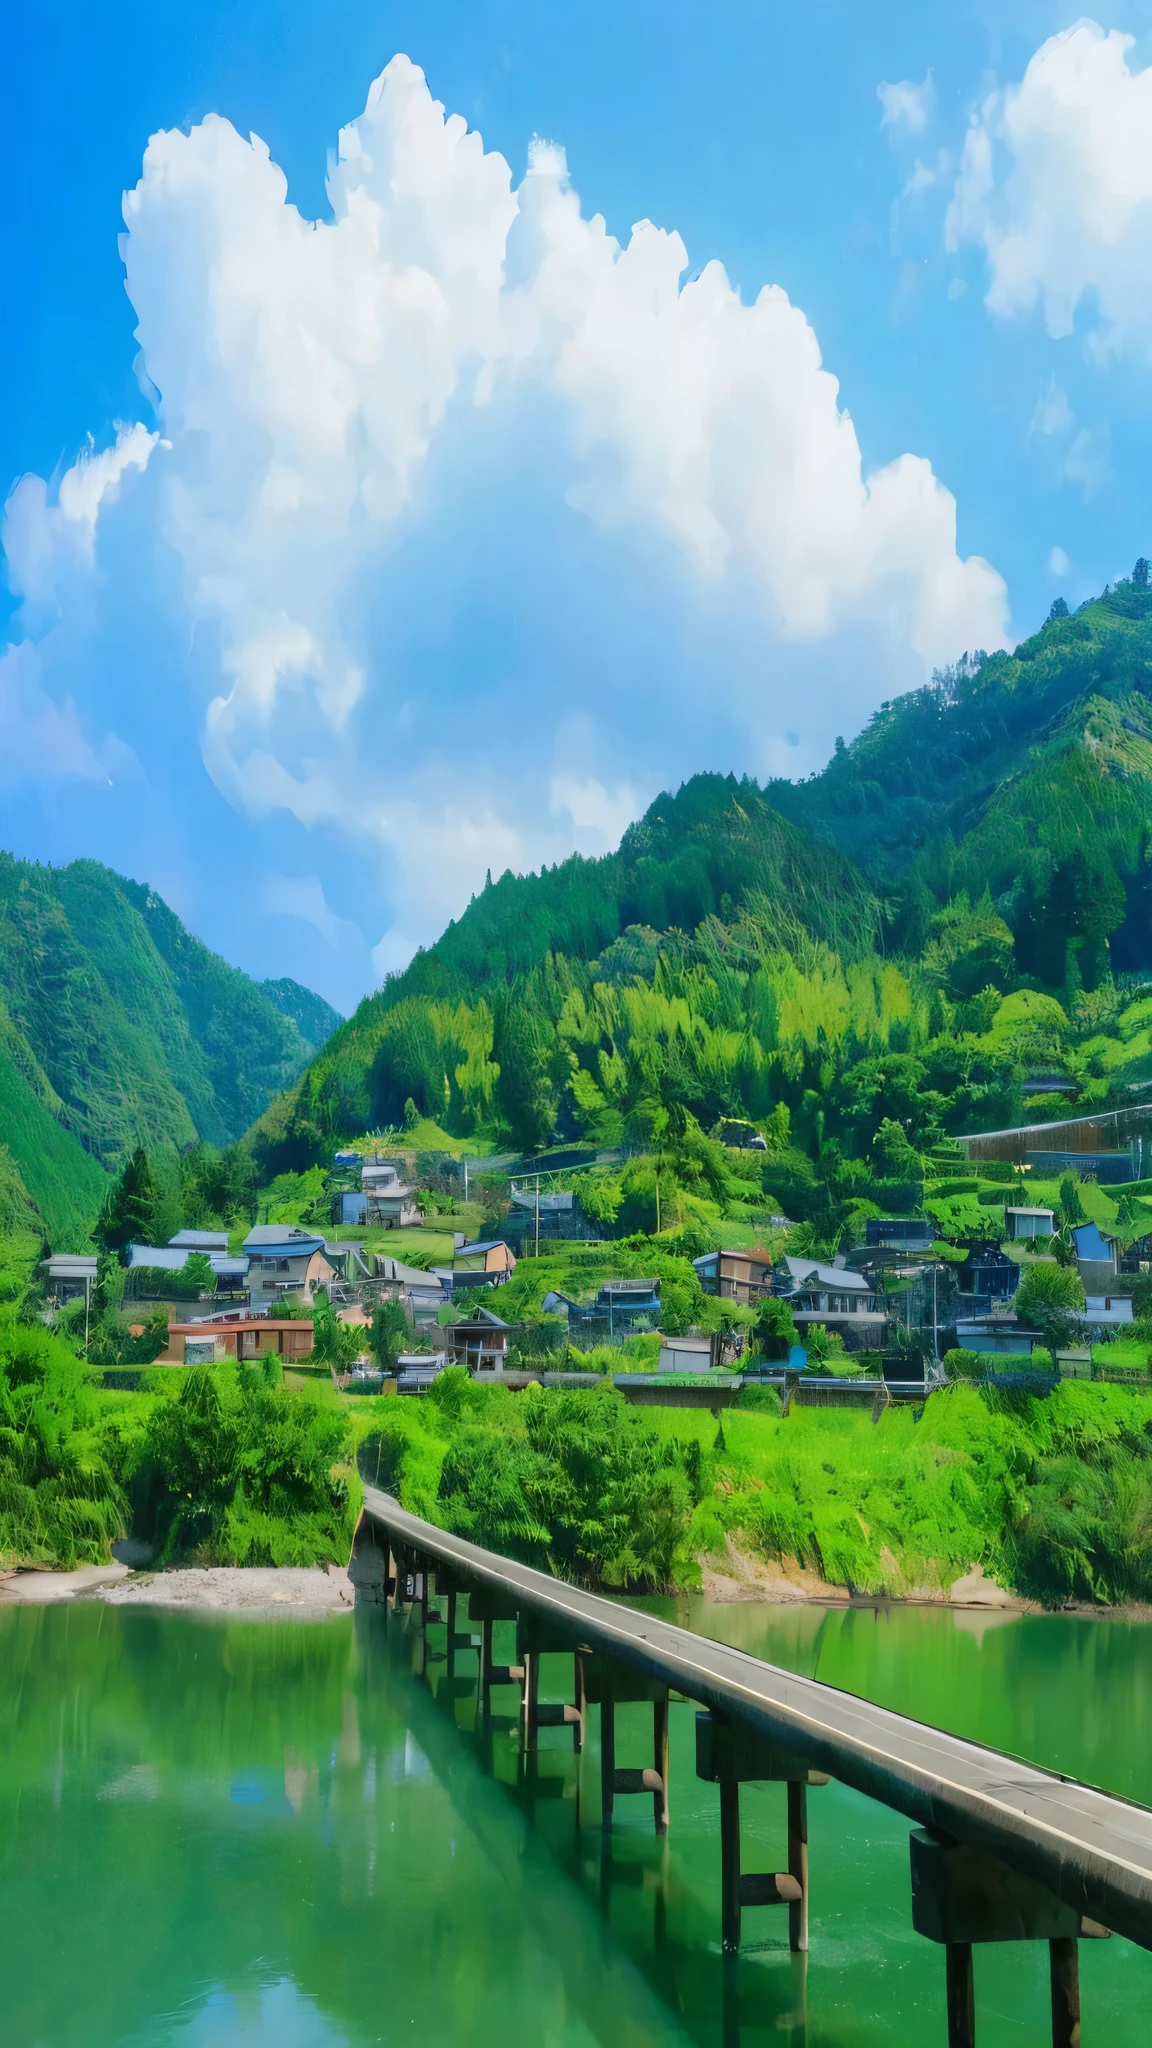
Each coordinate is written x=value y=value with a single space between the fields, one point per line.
x=214 y=1832
x=273 y=2012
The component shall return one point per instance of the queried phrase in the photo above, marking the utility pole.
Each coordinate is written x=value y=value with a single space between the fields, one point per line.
x=87 y=1301
x=935 y=1320
x=537 y=1215
x=657 y=1201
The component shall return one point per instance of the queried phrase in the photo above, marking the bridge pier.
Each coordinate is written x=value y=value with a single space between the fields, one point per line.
x=536 y=1639
x=608 y=1683
x=963 y=1896
x=729 y=1754
x=487 y=1607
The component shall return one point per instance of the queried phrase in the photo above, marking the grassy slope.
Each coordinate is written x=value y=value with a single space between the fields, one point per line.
x=66 y=1182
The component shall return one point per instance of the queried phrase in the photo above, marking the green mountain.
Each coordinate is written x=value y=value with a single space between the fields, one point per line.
x=117 y=1027
x=472 y=1030
x=1024 y=773
x=964 y=894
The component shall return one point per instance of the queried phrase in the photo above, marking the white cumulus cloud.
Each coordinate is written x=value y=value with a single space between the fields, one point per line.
x=1056 y=185
x=908 y=107
x=456 y=439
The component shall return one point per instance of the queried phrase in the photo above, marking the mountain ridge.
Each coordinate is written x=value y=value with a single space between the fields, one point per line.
x=118 y=1027
x=988 y=833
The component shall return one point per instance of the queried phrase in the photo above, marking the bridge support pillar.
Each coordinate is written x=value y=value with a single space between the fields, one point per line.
x=963 y=1896
x=729 y=1754
x=535 y=1639
x=609 y=1684
x=487 y=1606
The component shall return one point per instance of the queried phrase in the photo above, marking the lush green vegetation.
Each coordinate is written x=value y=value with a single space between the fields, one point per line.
x=219 y=1465
x=861 y=966
x=1050 y=1494
x=118 y=1028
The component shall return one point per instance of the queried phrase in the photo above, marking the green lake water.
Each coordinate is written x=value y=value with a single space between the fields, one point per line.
x=217 y=1834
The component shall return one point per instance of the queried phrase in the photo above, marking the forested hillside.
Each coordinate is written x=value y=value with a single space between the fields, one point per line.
x=117 y=1028
x=962 y=897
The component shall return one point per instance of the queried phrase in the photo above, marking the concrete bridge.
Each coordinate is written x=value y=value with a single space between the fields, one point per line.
x=1001 y=1850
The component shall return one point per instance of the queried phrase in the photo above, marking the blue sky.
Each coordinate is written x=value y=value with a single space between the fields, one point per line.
x=460 y=537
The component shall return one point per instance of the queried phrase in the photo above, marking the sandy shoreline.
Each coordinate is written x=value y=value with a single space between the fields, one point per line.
x=310 y=1594
x=296 y=1594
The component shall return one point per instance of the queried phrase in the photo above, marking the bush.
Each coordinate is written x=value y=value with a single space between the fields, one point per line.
x=60 y=1501
x=764 y=1400
x=388 y=1334
x=1048 y=1297
x=774 y=1329
x=236 y=1471
x=961 y=1365
x=578 y=1485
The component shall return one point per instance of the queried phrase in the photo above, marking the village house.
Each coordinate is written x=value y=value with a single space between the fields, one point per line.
x=284 y=1259
x=389 y=1203
x=911 y=1234
x=243 y=1338
x=686 y=1354
x=620 y=1308
x=490 y=1256
x=735 y=1276
x=836 y=1296
x=230 y=1270
x=1023 y=1224
x=1136 y=1257
x=68 y=1276
x=416 y=1370
x=1097 y=1256
x=1104 y=1312
x=481 y=1343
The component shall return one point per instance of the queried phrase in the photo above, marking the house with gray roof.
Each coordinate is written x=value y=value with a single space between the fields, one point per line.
x=283 y=1259
x=836 y=1296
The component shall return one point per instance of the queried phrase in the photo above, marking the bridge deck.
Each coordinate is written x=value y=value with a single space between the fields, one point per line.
x=1093 y=1849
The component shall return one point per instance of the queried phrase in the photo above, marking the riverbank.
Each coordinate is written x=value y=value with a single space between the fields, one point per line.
x=257 y=1593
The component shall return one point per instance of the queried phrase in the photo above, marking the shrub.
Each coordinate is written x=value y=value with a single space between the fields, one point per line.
x=60 y=1501
x=960 y=1364
x=774 y=1330
x=1049 y=1297
x=241 y=1473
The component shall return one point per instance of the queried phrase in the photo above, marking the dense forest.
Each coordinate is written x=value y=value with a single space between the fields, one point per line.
x=959 y=903
x=117 y=1028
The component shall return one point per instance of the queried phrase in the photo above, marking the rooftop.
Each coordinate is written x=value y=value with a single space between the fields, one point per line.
x=809 y=1272
x=279 y=1233
x=201 y=1240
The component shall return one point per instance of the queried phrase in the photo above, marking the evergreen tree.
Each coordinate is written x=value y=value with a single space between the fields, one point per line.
x=128 y=1212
